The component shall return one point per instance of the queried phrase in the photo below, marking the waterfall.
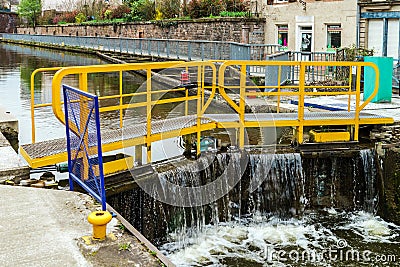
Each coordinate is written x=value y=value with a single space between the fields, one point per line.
x=370 y=180
x=271 y=184
x=277 y=183
x=273 y=189
x=246 y=186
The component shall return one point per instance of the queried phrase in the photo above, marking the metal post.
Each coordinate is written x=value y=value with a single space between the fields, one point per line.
x=198 y=111
x=148 y=114
x=167 y=48
x=139 y=155
x=357 y=111
x=186 y=101
x=242 y=105
x=189 y=51
x=350 y=87
x=385 y=37
x=120 y=99
x=177 y=49
x=279 y=89
x=33 y=106
x=358 y=26
x=83 y=106
x=300 y=107
x=71 y=181
x=398 y=47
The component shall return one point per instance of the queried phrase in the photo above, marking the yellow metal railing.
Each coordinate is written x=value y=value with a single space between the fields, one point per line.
x=227 y=76
x=149 y=70
x=298 y=90
x=33 y=104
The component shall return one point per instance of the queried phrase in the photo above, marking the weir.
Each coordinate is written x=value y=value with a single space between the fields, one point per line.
x=217 y=99
x=178 y=199
x=263 y=199
x=287 y=185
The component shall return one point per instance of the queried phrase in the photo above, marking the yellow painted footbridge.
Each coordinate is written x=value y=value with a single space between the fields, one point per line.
x=194 y=91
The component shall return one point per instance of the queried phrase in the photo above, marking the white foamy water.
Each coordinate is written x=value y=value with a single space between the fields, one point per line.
x=372 y=228
x=276 y=242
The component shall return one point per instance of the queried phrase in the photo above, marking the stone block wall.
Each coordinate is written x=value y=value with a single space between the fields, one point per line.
x=389 y=136
x=389 y=197
x=8 y=22
x=221 y=29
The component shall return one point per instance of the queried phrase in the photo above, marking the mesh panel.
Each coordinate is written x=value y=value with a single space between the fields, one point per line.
x=83 y=142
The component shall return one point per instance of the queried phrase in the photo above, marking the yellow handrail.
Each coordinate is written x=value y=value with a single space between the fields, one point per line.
x=149 y=70
x=150 y=97
x=33 y=105
x=149 y=67
x=300 y=93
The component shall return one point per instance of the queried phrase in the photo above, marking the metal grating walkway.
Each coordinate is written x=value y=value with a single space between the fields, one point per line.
x=54 y=151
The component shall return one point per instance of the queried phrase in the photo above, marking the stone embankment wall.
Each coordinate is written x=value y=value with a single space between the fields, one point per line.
x=389 y=136
x=221 y=29
x=8 y=22
x=387 y=140
x=389 y=197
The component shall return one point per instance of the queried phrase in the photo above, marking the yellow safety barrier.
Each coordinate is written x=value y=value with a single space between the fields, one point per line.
x=300 y=91
x=33 y=104
x=218 y=77
x=149 y=69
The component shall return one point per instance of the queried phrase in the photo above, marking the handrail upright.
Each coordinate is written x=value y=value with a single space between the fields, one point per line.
x=32 y=101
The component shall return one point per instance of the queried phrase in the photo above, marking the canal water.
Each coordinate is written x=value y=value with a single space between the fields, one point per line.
x=326 y=237
x=16 y=65
x=18 y=62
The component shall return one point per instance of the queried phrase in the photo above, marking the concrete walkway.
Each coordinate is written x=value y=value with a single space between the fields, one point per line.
x=39 y=227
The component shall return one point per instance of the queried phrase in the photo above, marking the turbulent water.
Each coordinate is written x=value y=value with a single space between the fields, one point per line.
x=264 y=235
x=326 y=238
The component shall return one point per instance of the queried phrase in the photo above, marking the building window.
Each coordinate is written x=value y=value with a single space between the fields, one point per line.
x=334 y=33
x=283 y=35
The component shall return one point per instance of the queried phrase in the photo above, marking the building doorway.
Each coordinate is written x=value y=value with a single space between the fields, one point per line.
x=306 y=42
x=306 y=39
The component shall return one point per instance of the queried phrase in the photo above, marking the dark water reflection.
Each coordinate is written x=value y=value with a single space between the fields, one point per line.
x=16 y=65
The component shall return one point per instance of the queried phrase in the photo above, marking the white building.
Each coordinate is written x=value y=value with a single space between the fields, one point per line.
x=379 y=27
x=312 y=25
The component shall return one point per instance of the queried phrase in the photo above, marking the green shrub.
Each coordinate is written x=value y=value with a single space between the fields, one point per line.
x=80 y=18
x=235 y=5
x=69 y=17
x=204 y=8
x=120 y=11
x=107 y=14
x=170 y=8
x=234 y=14
x=141 y=10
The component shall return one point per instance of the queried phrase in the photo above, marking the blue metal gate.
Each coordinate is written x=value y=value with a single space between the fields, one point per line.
x=85 y=162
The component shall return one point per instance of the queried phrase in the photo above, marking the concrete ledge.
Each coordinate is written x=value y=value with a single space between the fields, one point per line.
x=7 y=120
x=3 y=141
x=11 y=165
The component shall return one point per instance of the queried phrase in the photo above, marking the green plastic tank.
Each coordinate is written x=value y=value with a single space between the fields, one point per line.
x=385 y=66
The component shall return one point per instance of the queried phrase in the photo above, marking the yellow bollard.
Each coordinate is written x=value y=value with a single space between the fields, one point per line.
x=99 y=220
